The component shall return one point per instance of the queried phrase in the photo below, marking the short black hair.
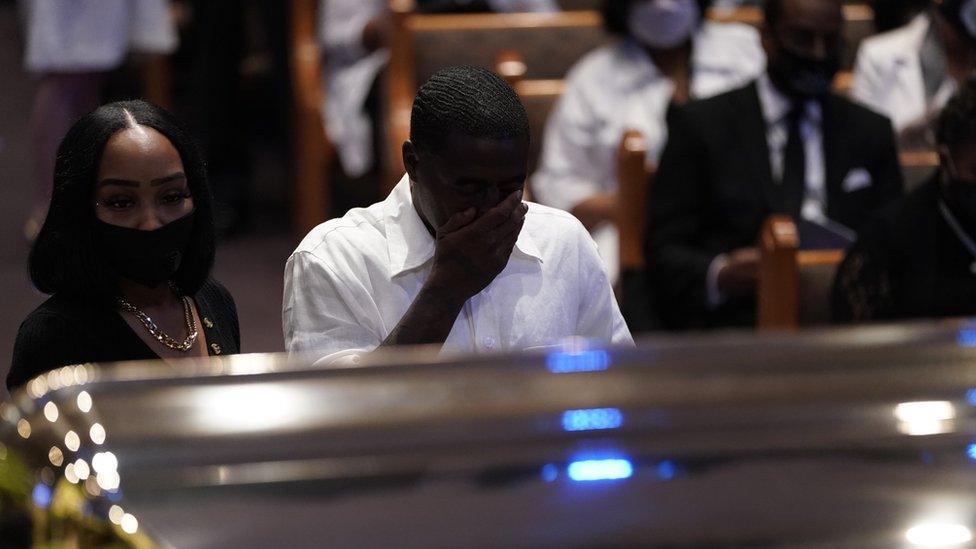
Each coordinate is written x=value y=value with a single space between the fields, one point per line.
x=615 y=14
x=65 y=258
x=956 y=123
x=471 y=101
x=773 y=11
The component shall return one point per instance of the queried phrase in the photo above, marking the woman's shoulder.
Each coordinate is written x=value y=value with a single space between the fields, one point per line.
x=48 y=338
x=215 y=294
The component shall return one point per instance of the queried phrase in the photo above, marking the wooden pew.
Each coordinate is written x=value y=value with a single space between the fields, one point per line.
x=311 y=148
x=794 y=286
x=635 y=179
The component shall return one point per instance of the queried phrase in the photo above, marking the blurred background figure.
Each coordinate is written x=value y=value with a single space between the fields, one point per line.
x=782 y=144
x=918 y=257
x=234 y=61
x=909 y=73
x=667 y=54
x=72 y=45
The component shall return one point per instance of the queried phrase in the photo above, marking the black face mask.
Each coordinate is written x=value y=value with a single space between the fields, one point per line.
x=803 y=77
x=145 y=257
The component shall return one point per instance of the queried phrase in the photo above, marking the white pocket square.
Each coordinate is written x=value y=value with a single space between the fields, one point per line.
x=856 y=179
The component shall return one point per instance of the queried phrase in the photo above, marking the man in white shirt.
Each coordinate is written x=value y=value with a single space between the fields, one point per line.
x=452 y=256
x=784 y=144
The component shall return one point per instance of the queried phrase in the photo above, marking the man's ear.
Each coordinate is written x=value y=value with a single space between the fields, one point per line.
x=410 y=159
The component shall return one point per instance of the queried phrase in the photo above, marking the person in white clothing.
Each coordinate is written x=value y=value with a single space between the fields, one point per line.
x=453 y=256
x=909 y=73
x=72 y=45
x=665 y=56
x=353 y=38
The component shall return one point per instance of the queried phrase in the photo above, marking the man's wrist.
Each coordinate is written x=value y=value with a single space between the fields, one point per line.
x=446 y=294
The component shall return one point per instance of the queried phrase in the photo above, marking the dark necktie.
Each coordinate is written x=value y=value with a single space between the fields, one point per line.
x=794 y=180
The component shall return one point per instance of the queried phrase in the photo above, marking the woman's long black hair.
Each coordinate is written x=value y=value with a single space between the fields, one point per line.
x=65 y=258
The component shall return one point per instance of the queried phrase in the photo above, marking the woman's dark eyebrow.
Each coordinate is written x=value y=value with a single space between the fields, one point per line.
x=155 y=182
x=120 y=182
x=172 y=177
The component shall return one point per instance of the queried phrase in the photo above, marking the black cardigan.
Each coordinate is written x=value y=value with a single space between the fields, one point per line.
x=907 y=263
x=64 y=331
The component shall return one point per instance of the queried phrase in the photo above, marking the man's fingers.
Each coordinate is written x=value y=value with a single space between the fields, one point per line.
x=456 y=221
x=500 y=213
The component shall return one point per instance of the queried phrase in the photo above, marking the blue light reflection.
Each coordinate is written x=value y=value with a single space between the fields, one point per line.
x=966 y=337
x=971 y=452
x=600 y=469
x=41 y=495
x=592 y=419
x=666 y=470
x=593 y=360
x=550 y=472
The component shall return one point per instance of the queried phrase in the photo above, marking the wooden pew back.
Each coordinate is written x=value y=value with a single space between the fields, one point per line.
x=794 y=286
x=311 y=148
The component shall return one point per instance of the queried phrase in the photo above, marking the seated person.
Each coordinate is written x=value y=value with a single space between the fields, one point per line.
x=126 y=250
x=667 y=54
x=909 y=73
x=353 y=34
x=452 y=256
x=782 y=144
x=917 y=258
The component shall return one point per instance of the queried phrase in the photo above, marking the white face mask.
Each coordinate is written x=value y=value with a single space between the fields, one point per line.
x=663 y=24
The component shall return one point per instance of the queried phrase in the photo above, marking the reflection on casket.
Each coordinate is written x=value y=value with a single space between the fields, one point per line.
x=850 y=437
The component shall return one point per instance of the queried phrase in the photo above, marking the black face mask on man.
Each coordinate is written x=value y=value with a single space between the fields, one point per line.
x=803 y=77
x=148 y=258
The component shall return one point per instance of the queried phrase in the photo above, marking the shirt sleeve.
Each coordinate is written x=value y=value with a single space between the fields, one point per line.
x=321 y=314
x=599 y=315
x=571 y=169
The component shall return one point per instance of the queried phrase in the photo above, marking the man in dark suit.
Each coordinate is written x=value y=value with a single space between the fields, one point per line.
x=782 y=144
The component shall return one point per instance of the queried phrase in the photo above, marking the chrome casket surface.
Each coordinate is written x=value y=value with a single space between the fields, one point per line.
x=856 y=438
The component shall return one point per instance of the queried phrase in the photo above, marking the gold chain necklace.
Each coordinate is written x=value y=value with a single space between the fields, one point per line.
x=161 y=336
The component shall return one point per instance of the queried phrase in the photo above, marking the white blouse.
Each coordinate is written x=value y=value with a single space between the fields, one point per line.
x=93 y=35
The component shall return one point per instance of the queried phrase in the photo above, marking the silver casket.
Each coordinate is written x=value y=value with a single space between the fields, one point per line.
x=849 y=438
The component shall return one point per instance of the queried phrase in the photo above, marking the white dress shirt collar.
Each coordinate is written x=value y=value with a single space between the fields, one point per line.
x=409 y=242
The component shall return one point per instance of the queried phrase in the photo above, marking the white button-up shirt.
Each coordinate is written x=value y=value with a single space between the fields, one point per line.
x=351 y=280
x=617 y=88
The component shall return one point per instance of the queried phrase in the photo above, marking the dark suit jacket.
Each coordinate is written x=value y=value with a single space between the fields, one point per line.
x=714 y=189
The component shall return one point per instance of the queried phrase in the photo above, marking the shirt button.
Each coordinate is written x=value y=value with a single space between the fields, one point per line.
x=489 y=342
x=216 y=348
x=207 y=322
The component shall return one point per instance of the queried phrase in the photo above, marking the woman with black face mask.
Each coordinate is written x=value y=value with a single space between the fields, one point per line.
x=126 y=250
x=917 y=258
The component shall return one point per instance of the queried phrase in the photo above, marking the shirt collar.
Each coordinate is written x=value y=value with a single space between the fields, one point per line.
x=775 y=106
x=410 y=245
